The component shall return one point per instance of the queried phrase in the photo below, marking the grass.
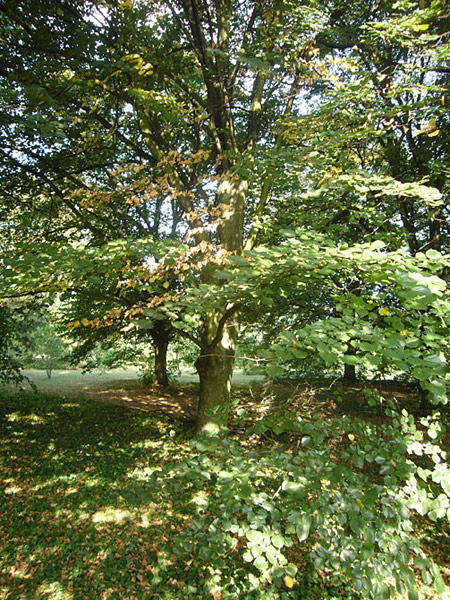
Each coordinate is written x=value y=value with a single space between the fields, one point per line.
x=68 y=530
x=74 y=381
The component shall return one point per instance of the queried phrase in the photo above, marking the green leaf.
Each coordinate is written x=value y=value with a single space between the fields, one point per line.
x=439 y=584
x=433 y=254
x=350 y=359
x=261 y=563
x=277 y=540
x=274 y=370
x=237 y=260
x=327 y=356
x=291 y=569
x=254 y=536
x=303 y=527
x=292 y=488
x=413 y=594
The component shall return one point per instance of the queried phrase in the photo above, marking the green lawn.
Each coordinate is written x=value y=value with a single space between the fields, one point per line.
x=75 y=381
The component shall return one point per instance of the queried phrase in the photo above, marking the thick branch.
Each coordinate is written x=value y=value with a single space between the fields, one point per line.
x=188 y=336
x=255 y=112
x=221 y=325
x=267 y=186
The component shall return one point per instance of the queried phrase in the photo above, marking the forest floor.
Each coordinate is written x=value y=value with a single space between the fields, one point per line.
x=324 y=397
x=72 y=455
x=122 y=386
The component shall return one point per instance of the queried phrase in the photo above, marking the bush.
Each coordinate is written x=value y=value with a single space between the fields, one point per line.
x=340 y=495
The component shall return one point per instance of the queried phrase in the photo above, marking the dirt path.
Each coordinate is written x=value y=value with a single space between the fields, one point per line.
x=172 y=401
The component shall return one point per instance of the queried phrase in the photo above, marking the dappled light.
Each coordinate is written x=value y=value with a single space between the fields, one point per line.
x=133 y=507
x=70 y=511
x=148 y=400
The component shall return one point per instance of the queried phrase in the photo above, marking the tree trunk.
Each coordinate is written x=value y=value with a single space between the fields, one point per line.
x=161 y=375
x=349 y=373
x=215 y=370
x=425 y=405
x=160 y=336
x=49 y=368
x=350 y=370
x=220 y=328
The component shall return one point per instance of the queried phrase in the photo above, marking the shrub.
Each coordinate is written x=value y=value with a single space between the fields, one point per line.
x=340 y=494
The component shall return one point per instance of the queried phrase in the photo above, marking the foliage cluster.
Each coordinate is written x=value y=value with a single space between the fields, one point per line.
x=9 y=364
x=342 y=492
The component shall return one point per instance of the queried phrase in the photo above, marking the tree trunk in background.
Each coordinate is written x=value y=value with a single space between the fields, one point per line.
x=349 y=373
x=161 y=375
x=350 y=370
x=160 y=336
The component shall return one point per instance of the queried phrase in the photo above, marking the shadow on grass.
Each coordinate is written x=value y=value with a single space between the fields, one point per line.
x=65 y=530
x=68 y=530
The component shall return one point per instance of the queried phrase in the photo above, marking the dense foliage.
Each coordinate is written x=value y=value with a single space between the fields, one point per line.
x=9 y=364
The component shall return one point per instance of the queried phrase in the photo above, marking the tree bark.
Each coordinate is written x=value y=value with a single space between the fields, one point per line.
x=160 y=336
x=215 y=370
x=220 y=327
x=349 y=373
x=350 y=370
x=161 y=375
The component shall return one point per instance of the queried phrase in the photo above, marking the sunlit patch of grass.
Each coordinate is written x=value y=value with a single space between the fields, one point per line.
x=16 y=417
x=111 y=515
x=54 y=591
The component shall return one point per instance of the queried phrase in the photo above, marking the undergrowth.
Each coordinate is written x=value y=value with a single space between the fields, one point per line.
x=103 y=502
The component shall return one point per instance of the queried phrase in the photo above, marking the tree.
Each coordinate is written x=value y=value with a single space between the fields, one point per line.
x=196 y=158
x=376 y=145
x=184 y=96
x=9 y=364
x=200 y=110
x=40 y=344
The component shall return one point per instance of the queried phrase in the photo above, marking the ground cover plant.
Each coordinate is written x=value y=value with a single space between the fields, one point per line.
x=107 y=501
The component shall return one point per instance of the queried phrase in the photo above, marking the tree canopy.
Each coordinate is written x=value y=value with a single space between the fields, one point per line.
x=150 y=147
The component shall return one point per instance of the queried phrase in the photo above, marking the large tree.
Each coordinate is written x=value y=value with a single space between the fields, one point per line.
x=185 y=90
x=190 y=119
